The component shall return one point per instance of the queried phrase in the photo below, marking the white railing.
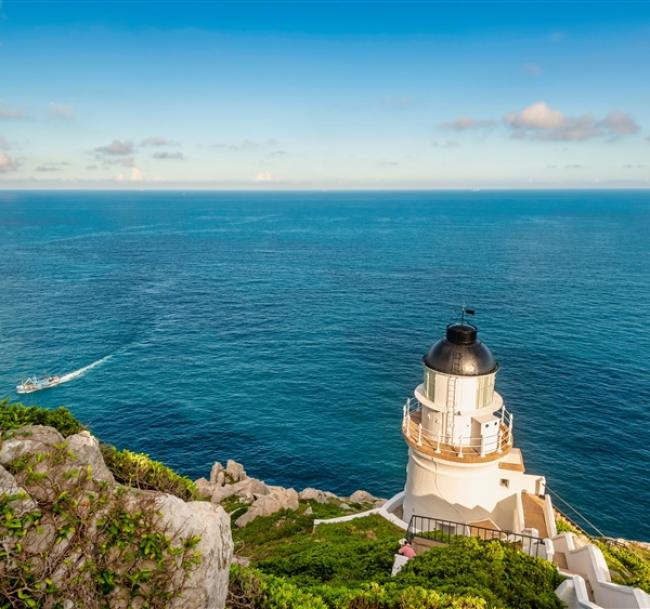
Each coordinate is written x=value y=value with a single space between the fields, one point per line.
x=456 y=446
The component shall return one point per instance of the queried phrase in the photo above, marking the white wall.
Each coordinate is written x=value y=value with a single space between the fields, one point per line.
x=588 y=561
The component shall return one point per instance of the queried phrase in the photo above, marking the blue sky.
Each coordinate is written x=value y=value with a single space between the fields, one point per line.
x=306 y=94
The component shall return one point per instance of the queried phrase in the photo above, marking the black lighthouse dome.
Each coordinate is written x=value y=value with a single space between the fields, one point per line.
x=461 y=353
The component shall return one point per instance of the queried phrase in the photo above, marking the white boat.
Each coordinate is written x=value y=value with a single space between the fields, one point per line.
x=37 y=383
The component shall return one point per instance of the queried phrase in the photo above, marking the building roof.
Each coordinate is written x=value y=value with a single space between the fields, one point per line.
x=461 y=353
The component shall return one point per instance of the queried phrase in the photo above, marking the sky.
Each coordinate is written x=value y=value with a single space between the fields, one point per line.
x=309 y=94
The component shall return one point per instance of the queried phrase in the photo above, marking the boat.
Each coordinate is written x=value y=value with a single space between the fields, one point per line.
x=37 y=383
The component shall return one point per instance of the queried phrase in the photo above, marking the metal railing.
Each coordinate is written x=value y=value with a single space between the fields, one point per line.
x=456 y=446
x=444 y=531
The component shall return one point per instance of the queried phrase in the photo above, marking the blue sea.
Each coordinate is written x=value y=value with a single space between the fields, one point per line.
x=285 y=330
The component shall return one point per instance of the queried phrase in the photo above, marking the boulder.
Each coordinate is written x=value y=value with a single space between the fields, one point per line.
x=86 y=450
x=221 y=493
x=246 y=487
x=217 y=468
x=313 y=494
x=220 y=479
x=235 y=470
x=308 y=511
x=207 y=585
x=345 y=507
x=22 y=502
x=362 y=497
x=30 y=439
x=265 y=505
x=204 y=487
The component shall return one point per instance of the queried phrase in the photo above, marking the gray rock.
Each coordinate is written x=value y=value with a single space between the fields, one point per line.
x=86 y=450
x=204 y=487
x=207 y=586
x=243 y=488
x=22 y=503
x=265 y=505
x=362 y=497
x=223 y=492
x=345 y=507
x=217 y=468
x=235 y=470
x=29 y=439
x=308 y=511
x=313 y=494
x=221 y=479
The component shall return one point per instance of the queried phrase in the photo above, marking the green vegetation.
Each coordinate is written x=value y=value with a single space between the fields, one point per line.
x=348 y=565
x=15 y=414
x=252 y=589
x=294 y=566
x=74 y=537
x=629 y=563
x=141 y=471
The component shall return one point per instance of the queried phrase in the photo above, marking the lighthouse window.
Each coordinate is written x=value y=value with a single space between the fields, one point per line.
x=430 y=380
x=485 y=390
x=505 y=482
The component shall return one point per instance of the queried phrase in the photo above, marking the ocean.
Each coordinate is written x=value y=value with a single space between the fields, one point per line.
x=285 y=330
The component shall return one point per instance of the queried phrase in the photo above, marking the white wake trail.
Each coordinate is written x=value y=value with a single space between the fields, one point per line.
x=70 y=376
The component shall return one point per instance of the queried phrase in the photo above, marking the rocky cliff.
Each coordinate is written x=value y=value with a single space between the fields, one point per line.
x=73 y=537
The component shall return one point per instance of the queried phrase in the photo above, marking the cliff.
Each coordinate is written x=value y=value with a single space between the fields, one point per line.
x=72 y=537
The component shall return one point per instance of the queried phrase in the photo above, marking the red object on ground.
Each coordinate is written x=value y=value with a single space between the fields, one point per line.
x=407 y=550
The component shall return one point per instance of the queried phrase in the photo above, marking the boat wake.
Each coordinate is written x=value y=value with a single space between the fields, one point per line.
x=71 y=376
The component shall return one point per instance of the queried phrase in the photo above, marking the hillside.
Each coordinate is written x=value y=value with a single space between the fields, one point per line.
x=281 y=561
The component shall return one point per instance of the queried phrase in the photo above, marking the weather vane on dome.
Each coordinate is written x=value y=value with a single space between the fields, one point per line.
x=465 y=310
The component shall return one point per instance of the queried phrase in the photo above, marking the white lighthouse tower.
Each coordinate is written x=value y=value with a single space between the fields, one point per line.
x=463 y=466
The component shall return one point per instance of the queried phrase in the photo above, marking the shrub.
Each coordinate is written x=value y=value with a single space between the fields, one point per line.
x=15 y=414
x=499 y=573
x=140 y=471
x=252 y=589
x=78 y=538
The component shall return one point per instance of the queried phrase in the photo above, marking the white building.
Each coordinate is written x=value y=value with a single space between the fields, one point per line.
x=463 y=465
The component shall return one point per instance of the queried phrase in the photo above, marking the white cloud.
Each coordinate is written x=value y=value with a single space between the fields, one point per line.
x=619 y=123
x=4 y=144
x=135 y=176
x=7 y=163
x=164 y=156
x=7 y=112
x=465 y=123
x=61 y=111
x=264 y=176
x=541 y=122
x=535 y=116
x=127 y=161
x=52 y=166
x=116 y=148
x=158 y=141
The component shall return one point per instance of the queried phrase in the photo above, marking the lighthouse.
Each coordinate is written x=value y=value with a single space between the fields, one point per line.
x=463 y=465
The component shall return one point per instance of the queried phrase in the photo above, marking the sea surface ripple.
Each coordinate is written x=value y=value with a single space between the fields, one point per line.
x=285 y=330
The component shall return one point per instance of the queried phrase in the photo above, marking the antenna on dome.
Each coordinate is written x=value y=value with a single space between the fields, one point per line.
x=465 y=310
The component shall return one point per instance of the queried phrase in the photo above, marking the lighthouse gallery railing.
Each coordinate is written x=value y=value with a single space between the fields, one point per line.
x=456 y=446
